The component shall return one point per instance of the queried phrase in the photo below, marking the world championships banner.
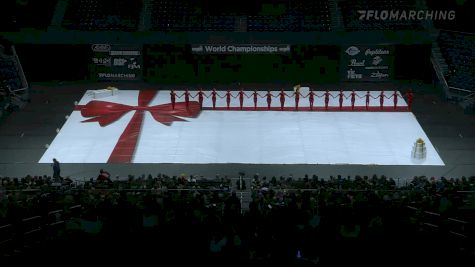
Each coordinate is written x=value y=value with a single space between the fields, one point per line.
x=240 y=49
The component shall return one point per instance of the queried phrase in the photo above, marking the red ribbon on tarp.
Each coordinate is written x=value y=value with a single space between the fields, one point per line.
x=108 y=112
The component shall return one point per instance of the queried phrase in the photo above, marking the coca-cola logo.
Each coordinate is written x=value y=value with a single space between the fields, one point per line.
x=101 y=47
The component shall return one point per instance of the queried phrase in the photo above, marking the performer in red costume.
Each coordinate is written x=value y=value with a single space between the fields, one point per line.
x=297 y=98
x=269 y=98
x=410 y=98
x=282 y=95
x=381 y=99
x=241 y=98
x=353 y=99
x=228 y=99
x=187 y=98
x=395 y=98
x=327 y=99
x=368 y=95
x=173 y=98
x=213 y=98
x=340 y=98
x=200 y=97
x=311 y=98
x=254 y=95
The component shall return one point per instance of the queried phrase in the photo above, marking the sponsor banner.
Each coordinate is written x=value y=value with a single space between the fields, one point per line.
x=241 y=49
x=367 y=63
x=116 y=62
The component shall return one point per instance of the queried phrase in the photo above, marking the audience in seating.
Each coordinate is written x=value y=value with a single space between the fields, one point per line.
x=458 y=50
x=290 y=220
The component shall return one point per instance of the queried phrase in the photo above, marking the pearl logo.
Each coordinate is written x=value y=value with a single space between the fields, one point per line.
x=352 y=50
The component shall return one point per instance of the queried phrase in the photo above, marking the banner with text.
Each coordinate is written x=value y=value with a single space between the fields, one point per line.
x=110 y=62
x=367 y=63
x=240 y=49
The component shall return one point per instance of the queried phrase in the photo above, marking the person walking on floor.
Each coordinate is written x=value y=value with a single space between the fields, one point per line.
x=56 y=169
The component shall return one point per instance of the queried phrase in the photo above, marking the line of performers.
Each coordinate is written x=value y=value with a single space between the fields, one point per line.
x=296 y=95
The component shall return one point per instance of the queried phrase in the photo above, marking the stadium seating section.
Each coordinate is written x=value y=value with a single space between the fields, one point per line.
x=359 y=220
x=298 y=15
x=168 y=15
x=103 y=15
x=459 y=52
x=464 y=19
x=26 y=14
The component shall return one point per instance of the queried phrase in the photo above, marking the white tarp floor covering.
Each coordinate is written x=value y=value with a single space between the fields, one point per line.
x=251 y=137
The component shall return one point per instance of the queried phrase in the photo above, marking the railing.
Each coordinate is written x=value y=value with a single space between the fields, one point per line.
x=439 y=74
x=24 y=81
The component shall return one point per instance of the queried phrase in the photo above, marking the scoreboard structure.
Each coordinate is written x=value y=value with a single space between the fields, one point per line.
x=114 y=62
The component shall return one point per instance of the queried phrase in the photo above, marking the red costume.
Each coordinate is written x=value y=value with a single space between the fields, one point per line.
x=368 y=95
x=173 y=98
x=353 y=99
x=213 y=98
x=200 y=98
x=241 y=98
x=269 y=99
x=381 y=100
x=297 y=99
x=410 y=98
x=340 y=100
x=395 y=98
x=187 y=98
x=255 y=98
x=311 y=97
x=228 y=99
x=327 y=99
x=282 y=99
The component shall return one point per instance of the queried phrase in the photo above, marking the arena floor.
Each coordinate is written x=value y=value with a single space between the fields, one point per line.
x=25 y=134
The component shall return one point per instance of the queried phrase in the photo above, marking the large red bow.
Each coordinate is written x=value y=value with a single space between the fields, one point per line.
x=107 y=112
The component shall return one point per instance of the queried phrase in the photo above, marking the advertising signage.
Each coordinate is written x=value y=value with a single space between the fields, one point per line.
x=367 y=63
x=111 y=62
